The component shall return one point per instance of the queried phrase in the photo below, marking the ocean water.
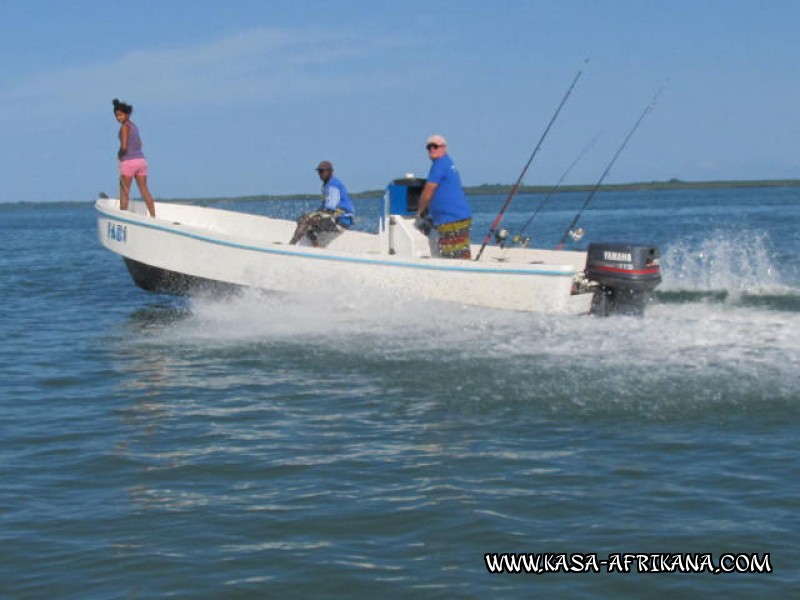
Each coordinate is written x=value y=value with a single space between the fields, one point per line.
x=347 y=444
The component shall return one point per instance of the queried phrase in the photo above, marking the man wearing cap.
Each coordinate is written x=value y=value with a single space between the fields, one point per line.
x=336 y=208
x=445 y=201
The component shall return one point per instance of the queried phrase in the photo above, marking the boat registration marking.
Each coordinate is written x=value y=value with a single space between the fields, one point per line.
x=117 y=232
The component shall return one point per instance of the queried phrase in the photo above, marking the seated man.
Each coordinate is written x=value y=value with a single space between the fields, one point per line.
x=336 y=210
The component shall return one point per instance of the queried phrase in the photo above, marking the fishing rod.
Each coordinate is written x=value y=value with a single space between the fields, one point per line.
x=646 y=110
x=499 y=216
x=518 y=238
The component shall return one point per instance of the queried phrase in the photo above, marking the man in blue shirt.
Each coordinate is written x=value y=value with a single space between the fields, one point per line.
x=444 y=198
x=336 y=209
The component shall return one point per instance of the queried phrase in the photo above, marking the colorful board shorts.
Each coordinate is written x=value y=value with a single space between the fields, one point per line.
x=454 y=239
x=133 y=167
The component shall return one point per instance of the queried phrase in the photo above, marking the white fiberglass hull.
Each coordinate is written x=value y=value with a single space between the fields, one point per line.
x=187 y=245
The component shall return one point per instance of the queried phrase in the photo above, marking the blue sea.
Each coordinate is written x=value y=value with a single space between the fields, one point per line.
x=347 y=444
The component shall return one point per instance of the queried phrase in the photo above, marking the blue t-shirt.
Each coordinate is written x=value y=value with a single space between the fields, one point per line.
x=334 y=195
x=449 y=202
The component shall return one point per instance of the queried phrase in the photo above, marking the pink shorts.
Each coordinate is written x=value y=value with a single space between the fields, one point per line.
x=133 y=167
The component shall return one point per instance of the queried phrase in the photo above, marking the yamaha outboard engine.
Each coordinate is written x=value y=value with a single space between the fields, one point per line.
x=625 y=275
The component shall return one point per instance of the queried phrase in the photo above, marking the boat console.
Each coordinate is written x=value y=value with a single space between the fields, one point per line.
x=400 y=210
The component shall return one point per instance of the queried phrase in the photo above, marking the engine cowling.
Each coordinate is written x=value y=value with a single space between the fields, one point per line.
x=625 y=275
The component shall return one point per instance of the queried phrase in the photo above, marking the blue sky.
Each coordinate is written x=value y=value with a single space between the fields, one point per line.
x=246 y=97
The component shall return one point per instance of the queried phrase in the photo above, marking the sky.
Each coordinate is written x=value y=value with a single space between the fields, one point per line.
x=245 y=97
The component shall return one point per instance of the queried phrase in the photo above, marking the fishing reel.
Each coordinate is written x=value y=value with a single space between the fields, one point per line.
x=577 y=234
x=521 y=241
x=500 y=237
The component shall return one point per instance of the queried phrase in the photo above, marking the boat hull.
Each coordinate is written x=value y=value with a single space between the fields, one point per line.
x=190 y=249
x=163 y=281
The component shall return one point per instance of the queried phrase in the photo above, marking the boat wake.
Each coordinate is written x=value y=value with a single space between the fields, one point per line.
x=726 y=267
x=731 y=269
x=719 y=341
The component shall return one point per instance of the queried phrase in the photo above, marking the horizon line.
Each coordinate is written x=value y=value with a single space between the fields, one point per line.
x=488 y=188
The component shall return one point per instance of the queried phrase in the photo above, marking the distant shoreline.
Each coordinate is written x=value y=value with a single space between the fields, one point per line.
x=498 y=189
x=672 y=184
x=487 y=189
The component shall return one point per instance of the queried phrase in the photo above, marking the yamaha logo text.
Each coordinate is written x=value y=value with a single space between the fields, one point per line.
x=617 y=256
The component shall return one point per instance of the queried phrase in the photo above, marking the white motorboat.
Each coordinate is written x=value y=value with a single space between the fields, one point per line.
x=189 y=249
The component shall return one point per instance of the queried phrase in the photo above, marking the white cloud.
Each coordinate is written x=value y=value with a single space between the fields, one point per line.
x=258 y=65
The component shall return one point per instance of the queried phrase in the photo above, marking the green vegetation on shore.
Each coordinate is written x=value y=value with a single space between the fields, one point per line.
x=672 y=184
x=499 y=189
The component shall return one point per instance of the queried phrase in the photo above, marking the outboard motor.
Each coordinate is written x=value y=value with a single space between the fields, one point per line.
x=625 y=275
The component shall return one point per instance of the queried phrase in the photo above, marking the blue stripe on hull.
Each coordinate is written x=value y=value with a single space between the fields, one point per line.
x=457 y=266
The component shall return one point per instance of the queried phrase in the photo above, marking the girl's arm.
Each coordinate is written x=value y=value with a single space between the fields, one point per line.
x=124 y=131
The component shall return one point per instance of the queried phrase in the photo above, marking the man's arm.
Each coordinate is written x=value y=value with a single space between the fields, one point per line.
x=425 y=198
x=333 y=198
